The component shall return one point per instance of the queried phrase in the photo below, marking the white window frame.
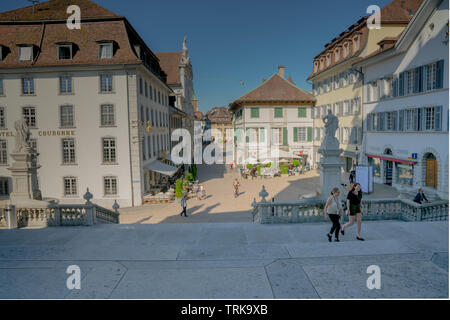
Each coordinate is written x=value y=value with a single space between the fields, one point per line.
x=3 y=118
x=69 y=153
x=4 y=152
x=64 y=46
x=23 y=56
x=73 y=186
x=28 y=83
x=104 y=54
x=108 y=85
x=30 y=118
x=69 y=124
x=107 y=115
x=65 y=79
x=110 y=193
x=109 y=153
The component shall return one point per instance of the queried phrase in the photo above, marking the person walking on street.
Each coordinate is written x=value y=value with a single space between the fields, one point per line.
x=236 y=188
x=354 y=209
x=420 y=197
x=351 y=178
x=333 y=210
x=184 y=206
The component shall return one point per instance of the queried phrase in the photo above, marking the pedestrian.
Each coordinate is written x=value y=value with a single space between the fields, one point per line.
x=202 y=193
x=184 y=206
x=333 y=210
x=351 y=178
x=420 y=197
x=354 y=210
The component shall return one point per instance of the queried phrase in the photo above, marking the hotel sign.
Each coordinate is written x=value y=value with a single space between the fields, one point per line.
x=47 y=133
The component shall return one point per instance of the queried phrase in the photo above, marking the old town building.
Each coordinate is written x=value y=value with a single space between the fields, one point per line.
x=96 y=101
x=406 y=104
x=220 y=119
x=337 y=85
x=273 y=121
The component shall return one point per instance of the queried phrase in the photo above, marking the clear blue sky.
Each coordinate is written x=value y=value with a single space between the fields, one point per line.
x=238 y=40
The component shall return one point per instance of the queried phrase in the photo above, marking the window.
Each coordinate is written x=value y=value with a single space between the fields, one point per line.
x=109 y=150
x=68 y=146
x=147 y=114
x=67 y=118
x=65 y=52
x=27 y=85
x=110 y=186
x=278 y=113
x=151 y=92
x=149 y=152
x=107 y=115
x=106 y=83
x=432 y=118
x=356 y=43
x=65 y=85
x=405 y=174
x=4 y=187
x=430 y=76
x=25 y=53
x=391 y=119
x=29 y=114
x=337 y=55
x=144 y=154
x=302 y=134
x=2 y=92
x=70 y=186
x=254 y=112
x=105 y=50
x=2 y=118
x=410 y=82
x=141 y=86
x=302 y=112
x=146 y=89
x=3 y=152
x=346 y=51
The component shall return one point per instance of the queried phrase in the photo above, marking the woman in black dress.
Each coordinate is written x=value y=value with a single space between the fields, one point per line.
x=354 y=210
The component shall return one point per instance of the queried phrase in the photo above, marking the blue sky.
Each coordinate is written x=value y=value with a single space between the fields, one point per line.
x=238 y=40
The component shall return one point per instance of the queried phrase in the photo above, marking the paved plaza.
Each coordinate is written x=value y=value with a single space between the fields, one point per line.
x=221 y=206
x=225 y=260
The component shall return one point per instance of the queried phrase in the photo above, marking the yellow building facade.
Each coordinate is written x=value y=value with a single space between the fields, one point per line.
x=338 y=86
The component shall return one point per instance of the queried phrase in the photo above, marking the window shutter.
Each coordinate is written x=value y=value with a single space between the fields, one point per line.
x=440 y=74
x=285 y=137
x=401 y=86
x=262 y=135
x=394 y=120
x=416 y=119
x=416 y=80
x=302 y=112
x=401 y=120
x=247 y=135
x=438 y=118
x=310 y=131
x=295 y=134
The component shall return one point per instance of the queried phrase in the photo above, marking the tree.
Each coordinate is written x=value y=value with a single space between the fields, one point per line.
x=179 y=189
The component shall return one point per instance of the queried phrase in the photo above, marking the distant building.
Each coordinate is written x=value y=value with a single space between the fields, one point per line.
x=275 y=115
x=96 y=101
x=180 y=78
x=220 y=119
x=337 y=85
x=406 y=125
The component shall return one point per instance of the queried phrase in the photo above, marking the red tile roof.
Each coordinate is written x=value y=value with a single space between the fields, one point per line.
x=219 y=115
x=55 y=10
x=170 y=62
x=32 y=29
x=276 y=89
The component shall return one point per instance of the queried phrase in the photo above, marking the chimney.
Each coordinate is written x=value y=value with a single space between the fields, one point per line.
x=281 y=71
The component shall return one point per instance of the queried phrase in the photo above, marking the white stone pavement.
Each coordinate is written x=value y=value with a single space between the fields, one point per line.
x=226 y=260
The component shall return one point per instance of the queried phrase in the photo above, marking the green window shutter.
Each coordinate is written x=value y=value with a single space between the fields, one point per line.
x=278 y=112
x=247 y=136
x=285 y=137
x=302 y=112
x=295 y=134
x=310 y=134
x=255 y=112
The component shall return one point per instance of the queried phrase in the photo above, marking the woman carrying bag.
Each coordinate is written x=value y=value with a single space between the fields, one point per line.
x=333 y=210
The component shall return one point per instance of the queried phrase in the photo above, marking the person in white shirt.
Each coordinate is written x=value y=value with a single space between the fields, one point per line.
x=333 y=210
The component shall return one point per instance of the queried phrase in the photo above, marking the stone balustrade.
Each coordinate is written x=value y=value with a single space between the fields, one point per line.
x=312 y=210
x=54 y=215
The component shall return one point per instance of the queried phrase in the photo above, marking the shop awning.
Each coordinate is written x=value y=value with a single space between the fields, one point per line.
x=387 y=158
x=162 y=168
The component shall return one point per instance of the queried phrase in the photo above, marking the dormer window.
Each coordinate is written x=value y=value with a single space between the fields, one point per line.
x=328 y=59
x=337 y=54
x=356 y=43
x=105 y=49
x=316 y=66
x=1 y=53
x=346 y=50
x=25 y=53
x=65 y=51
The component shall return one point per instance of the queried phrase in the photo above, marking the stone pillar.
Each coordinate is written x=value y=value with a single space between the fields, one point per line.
x=24 y=178
x=330 y=167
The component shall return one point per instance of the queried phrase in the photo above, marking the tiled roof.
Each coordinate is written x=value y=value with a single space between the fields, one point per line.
x=276 y=89
x=219 y=115
x=396 y=12
x=56 y=10
x=170 y=62
x=32 y=29
x=85 y=51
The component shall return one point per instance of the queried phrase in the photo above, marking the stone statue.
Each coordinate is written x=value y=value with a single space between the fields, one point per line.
x=331 y=125
x=185 y=59
x=22 y=136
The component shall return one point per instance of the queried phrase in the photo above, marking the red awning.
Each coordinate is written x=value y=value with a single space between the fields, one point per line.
x=385 y=157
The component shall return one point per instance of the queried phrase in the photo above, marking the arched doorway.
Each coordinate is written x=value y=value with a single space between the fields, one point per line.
x=431 y=170
x=388 y=168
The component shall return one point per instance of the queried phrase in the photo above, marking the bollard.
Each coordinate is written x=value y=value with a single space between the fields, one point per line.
x=11 y=218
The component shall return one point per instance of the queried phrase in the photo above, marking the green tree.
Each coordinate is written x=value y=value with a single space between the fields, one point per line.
x=179 y=189
x=249 y=166
x=296 y=163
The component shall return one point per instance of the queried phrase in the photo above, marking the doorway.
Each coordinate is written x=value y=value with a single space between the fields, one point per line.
x=431 y=171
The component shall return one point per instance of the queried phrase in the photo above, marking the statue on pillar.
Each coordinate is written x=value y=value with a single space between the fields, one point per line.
x=185 y=59
x=331 y=123
x=22 y=136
